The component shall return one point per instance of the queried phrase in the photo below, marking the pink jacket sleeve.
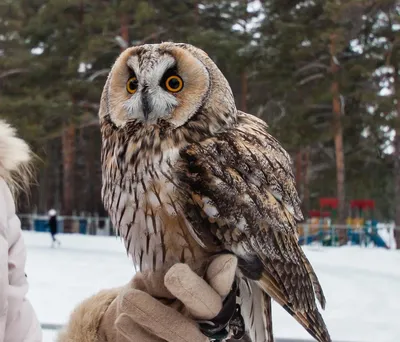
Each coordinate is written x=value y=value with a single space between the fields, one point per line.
x=18 y=322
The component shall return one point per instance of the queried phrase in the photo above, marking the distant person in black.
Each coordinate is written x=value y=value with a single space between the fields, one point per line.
x=53 y=226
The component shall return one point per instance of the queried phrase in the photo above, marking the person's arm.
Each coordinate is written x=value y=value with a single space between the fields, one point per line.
x=131 y=314
x=3 y=275
x=22 y=323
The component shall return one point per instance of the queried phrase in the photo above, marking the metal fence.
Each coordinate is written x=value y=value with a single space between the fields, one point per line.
x=313 y=232
x=368 y=233
x=88 y=225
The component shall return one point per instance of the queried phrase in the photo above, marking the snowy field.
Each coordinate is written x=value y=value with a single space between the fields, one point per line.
x=362 y=285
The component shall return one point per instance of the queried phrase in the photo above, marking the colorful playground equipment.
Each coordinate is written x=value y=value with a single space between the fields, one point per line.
x=320 y=227
x=361 y=227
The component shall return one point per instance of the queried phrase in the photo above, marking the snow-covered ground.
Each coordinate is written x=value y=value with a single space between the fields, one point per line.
x=362 y=285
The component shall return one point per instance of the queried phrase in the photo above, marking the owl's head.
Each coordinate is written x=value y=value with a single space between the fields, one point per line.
x=164 y=82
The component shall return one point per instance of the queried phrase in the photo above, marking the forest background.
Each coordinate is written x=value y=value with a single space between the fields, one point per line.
x=324 y=74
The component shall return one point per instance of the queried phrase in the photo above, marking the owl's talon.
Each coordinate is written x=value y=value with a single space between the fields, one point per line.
x=218 y=328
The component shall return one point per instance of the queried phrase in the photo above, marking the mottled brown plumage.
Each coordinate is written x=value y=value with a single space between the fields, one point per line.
x=186 y=175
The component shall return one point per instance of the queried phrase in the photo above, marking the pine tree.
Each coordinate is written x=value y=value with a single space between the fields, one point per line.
x=56 y=56
x=318 y=77
x=382 y=43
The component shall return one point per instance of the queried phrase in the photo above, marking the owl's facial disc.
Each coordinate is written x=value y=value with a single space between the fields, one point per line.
x=156 y=82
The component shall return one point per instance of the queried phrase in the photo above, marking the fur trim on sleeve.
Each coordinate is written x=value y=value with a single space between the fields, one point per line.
x=85 y=320
x=15 y=156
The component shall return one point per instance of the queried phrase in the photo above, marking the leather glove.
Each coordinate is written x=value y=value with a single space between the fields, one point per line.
x=133 y=313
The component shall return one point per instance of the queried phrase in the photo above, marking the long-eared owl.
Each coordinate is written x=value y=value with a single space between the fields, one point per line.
x=186 y=175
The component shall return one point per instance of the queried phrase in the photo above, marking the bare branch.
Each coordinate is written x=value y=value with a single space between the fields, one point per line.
x=12 y=72
x=326 y=151
x=312 y=65
x=311 y=78
x=122 y=43
x=102 y=72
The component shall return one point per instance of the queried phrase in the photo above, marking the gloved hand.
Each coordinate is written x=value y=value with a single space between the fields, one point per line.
x=133 y=314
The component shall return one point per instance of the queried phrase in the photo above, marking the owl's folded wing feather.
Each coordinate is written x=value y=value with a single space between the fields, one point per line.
x=239 y=184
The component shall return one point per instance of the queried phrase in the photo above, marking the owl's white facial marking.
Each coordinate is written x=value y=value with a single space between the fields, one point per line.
x=151 y=101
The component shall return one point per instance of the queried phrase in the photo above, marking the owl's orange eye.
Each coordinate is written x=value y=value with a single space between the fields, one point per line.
x=132 y=85
x=174 y=84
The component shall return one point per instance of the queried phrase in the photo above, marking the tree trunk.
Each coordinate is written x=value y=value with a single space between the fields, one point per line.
x=196 y=12
x=58 y=171
x=91 y=171
x=306 y=181
x=397 y=181
x=299 y=172
x=338 y=140
x=124 y=30
x=397 y=159
x=243 y=75
x=68 y=151
x=338 y=133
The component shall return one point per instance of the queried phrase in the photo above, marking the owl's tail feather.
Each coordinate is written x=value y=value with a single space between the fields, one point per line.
x=314 y=279
x=268 y=317
x=256 y=311
x=312 y=321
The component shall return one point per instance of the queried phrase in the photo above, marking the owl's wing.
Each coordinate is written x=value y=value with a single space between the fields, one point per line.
x=240 y=186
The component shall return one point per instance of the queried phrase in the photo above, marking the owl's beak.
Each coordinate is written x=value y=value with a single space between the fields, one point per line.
x=145 y=103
